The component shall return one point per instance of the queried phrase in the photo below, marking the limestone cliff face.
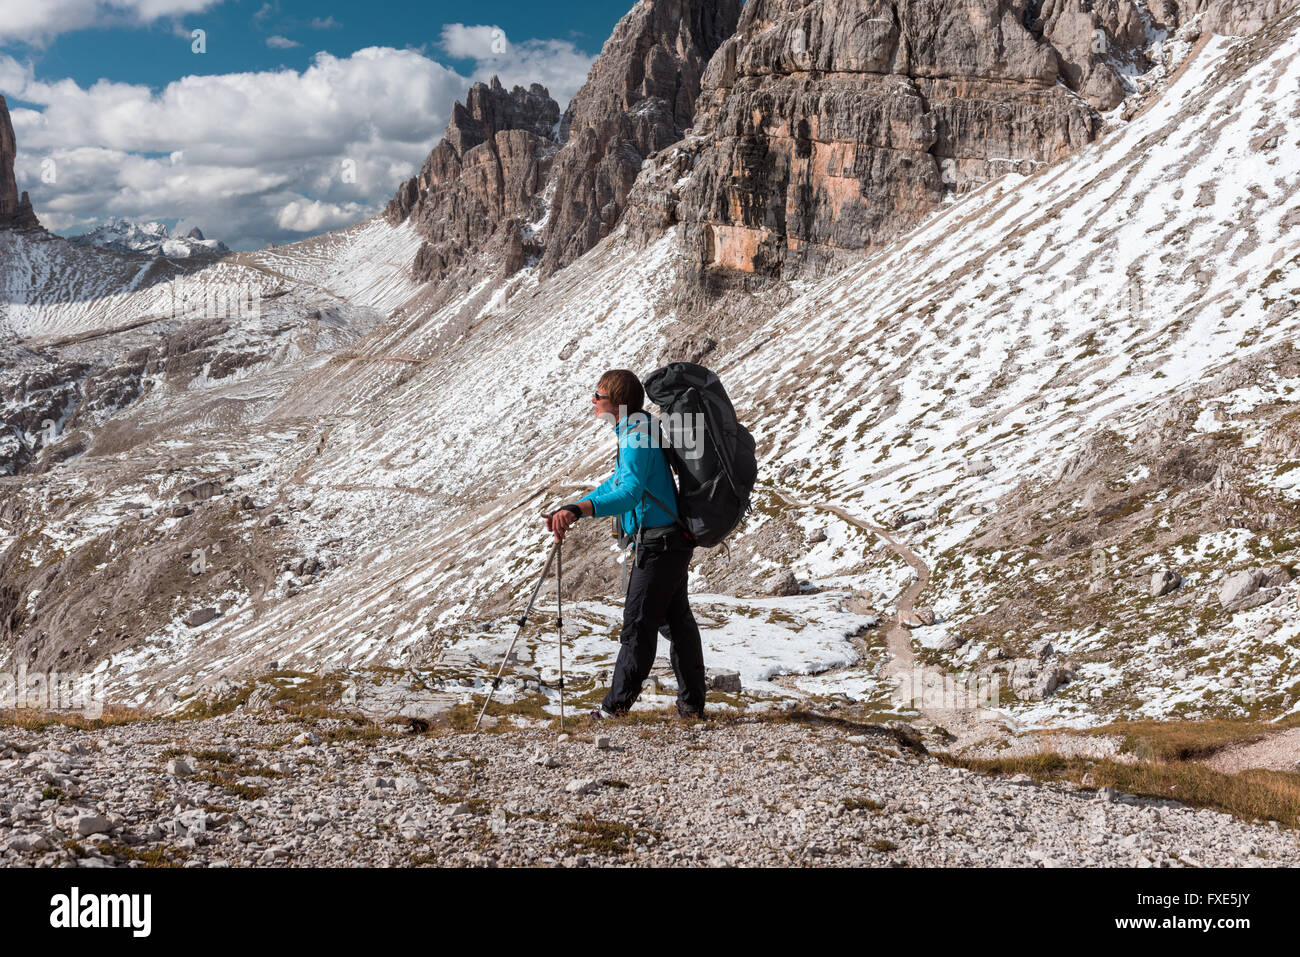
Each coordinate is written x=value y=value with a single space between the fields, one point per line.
x=793 y=131
x=1237 y=18
x=514 y=180
x=480 y=186
x=828 y=125
x=1091 y=37
x=15 y=209
x=638 y=99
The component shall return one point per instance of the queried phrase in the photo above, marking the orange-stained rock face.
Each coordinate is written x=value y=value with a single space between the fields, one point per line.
x=734 y=247
x=832 y=125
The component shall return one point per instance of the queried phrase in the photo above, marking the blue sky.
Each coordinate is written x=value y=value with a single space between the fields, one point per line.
x=296 y=117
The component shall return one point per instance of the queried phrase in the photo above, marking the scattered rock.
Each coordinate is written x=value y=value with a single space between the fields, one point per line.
x=201 y=616
x=782 y=584
x=179 y=768
x=543 y=759
x=725 y=681
x=88 y=824
x=1034 y=680
x=1164 y=581
x=582 y=786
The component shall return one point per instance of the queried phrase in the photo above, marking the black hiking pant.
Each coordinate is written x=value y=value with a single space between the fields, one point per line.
x=656 y=604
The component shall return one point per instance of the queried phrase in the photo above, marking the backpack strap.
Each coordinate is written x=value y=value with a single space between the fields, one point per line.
x=676 y=518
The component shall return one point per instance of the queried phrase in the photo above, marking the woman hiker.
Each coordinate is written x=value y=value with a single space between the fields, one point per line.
x=639 y=493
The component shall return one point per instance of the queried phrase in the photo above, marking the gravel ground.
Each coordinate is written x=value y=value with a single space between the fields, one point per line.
x=282 y=792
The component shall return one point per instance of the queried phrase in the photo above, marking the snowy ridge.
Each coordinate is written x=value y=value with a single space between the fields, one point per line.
x=151 y=239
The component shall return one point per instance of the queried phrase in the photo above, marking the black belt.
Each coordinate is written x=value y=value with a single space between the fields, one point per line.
x=663 y=538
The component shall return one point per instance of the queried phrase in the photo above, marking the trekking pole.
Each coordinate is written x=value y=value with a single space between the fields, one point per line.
x=559 y=619
x=523 y=620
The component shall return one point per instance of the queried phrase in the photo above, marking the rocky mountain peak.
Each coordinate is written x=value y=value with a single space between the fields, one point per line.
x=490 y=108
x=638 y=99
x=480 y=185
x=15 y=208
x=481 y=189
x=151 y=239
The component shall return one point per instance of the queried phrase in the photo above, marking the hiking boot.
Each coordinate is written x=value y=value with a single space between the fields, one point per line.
x=600 y=714
x=686 y=714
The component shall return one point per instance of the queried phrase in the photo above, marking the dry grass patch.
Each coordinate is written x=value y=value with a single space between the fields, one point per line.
x=1250 y=795
x=1189 y=740
x=30 y=719
x=592 y=835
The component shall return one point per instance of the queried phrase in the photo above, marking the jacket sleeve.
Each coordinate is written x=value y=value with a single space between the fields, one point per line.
x=600 y=489
x=628 y=483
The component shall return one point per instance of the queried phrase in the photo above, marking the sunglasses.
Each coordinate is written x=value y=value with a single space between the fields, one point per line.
x=599 y=395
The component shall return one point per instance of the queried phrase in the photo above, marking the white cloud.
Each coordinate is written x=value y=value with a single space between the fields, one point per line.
x=39 y=21
x=312 y=216
x=281 y=43
x=251 y=157
x=556 y=64
x=264 y=11
x=329 y=23
x=473 y=43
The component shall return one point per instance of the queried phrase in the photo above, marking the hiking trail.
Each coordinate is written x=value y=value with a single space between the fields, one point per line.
x=968 y=726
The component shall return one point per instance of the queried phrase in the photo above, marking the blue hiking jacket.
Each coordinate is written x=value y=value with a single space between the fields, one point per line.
x=641 y=468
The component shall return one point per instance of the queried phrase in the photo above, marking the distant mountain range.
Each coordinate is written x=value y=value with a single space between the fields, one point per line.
x=153 y=239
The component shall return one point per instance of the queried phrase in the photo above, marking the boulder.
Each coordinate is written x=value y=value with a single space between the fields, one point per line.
x=782 y=584
x=88 y=824
x=1275 y=576
x=1164 y=581
x=201 y=616
x=1239 y=586
x=951 y=642
x=725 y=681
